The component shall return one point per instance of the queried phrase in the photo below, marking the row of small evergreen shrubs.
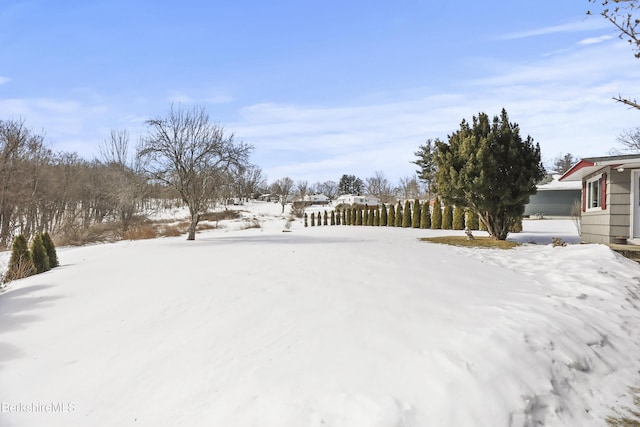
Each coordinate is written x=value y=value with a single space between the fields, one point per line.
x=411 y=215
x=26 y=261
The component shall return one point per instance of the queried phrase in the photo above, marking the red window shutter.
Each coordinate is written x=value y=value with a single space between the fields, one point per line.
x=603 y=196
x=584 y=196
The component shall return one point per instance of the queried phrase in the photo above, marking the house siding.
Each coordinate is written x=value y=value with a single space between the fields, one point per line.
x=619 y=196
x=606 y=225
x=596 y=223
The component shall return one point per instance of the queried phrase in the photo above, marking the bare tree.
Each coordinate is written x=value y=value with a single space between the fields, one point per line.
x=191 y=155
x=282 y=188
x=408 y=188
x=249 y=181
x=621 y=14
x=302 y=188
x=630 y=140
x=328 y=188
x=126 y=188
x=378 y=185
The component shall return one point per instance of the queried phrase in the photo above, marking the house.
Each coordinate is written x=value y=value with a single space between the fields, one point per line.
x=554 y=198
x=610 y=201
x=316 y=199
x=351 y=199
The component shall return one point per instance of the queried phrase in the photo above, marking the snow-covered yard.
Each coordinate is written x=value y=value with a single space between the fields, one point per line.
x=323 y=326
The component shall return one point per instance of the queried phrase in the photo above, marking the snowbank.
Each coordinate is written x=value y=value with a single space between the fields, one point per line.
x=323 y=326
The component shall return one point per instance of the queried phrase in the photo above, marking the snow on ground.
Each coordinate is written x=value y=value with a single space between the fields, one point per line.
x=322 y=326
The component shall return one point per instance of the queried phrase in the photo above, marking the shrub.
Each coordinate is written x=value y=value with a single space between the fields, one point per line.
x=436 y=217
x=21 y=261
x=39 y=255
x=399 y=215
x=458 y=218
x=324 y=218
x=416 y=214
x=406 y=215
x=391 y=222
x=313 y=219
x=51 y=250
x=425 y=216
x=141 y=233
x=306 y=220
x=344 y=217
x=447 y=217
x=383 y=215
x=365 y=216
x=333 y=218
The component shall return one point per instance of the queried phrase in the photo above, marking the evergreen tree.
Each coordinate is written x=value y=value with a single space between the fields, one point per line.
x=344 y=217
x=359 y=217
x=349 y=213
x=21 y=261
x=313 y=219
x=333 y=217
x=416 y=215
x=399 y=215
x=489 y=168
x=458 y=218
x=425 y=217
x=436 y=217
x=376 y=219
x=391 y=221
x=383 y=215
x=51 y=250
x=472 y=220
x=324 y=218
x=350 y=184
x=306 y=220
x=39 y=255
x=406 y=214
x=447 y=217
x=365 y=219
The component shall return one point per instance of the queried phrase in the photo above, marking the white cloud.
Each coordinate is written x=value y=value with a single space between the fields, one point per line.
x=594 y=40
x=179 y=97
x=564 y=102
x=586 y=24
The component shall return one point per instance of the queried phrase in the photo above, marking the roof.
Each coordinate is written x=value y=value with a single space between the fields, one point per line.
x=588 y=166
x=556 y=185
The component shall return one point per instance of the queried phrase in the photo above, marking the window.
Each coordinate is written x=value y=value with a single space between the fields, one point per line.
x=595 y=192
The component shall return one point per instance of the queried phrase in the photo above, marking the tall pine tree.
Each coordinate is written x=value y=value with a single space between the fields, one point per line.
x=489 y=168
x=391 y=221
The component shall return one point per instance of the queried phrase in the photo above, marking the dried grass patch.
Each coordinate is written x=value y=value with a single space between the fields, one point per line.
x=477 y=242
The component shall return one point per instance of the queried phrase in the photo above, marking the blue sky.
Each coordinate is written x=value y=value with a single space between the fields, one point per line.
x=319 y=88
